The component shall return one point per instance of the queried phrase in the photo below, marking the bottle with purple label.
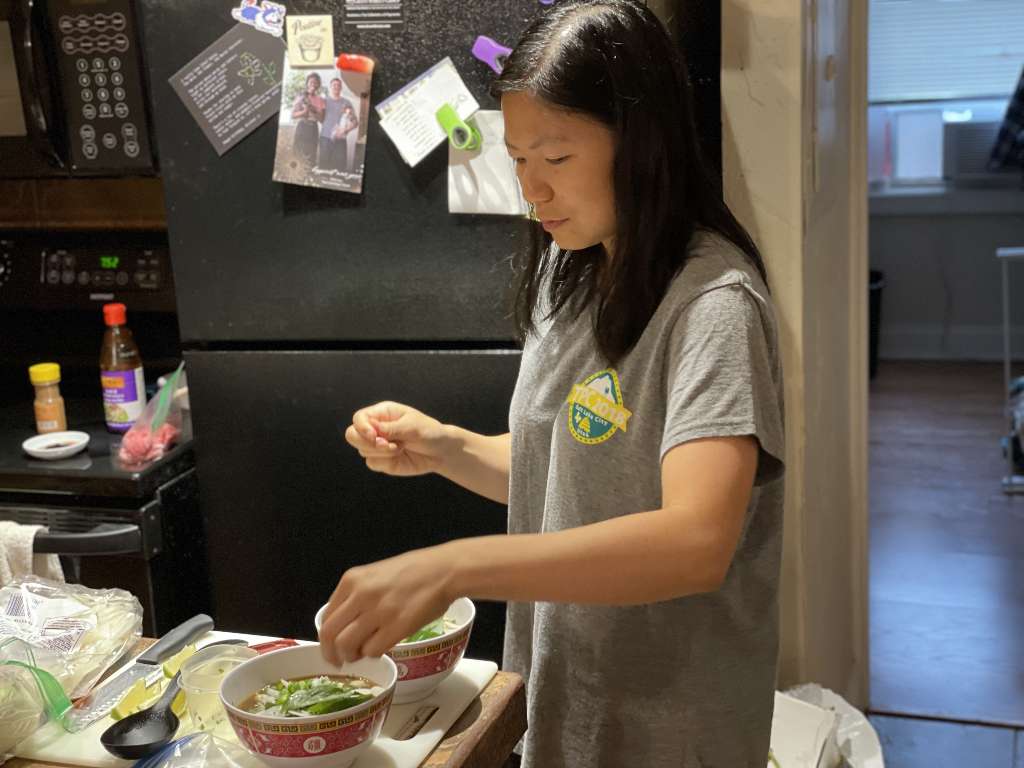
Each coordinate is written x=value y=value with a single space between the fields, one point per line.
x=124 y=386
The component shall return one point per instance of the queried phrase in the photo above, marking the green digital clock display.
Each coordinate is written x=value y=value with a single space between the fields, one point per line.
x=109 y=262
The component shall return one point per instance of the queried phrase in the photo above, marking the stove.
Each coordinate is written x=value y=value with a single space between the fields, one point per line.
x=140 y=530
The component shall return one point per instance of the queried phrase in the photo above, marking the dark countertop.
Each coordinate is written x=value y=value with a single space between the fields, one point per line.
x=93 y=472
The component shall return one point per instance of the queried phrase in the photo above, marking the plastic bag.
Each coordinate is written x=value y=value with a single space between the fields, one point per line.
x=158 y=428
x=201 y=750
x=22 y=708
x=73 y=632
x=858 y=741
x=29 y=696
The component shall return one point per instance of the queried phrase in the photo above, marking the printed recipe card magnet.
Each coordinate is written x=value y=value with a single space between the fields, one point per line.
x=233 y=86
x=409 y=116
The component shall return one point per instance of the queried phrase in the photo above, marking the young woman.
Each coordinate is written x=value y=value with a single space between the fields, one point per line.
x=643 y=468
x=308 y=112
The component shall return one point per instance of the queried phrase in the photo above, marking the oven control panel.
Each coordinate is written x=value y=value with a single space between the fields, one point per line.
x=82 y=271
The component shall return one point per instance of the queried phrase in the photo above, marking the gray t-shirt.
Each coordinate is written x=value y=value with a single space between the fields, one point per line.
x=687 y=682
x=334 y=116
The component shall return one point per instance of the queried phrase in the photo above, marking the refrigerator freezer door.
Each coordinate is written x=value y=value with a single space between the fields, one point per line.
x=257 y=260
x=289 y=505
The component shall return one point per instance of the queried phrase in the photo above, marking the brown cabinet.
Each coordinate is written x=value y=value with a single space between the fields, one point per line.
x=114 y=203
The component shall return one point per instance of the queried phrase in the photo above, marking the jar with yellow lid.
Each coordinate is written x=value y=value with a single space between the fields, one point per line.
x=49 y=405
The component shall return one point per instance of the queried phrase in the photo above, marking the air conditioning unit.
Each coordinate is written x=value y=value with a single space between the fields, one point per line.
x=966 y=148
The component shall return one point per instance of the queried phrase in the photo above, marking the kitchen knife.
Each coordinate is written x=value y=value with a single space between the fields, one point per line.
x=148 y=667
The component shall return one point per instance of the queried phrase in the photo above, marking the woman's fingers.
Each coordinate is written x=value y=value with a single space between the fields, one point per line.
x=377 y=446
x=357 y=439
x=375 y=423
x=348 y=643
x=336 y=619
x=366 y=420
x=385 y=433
x=385 y=453
x=375 y=605
x=377 y=459
x=377 y=644
x=362 y=426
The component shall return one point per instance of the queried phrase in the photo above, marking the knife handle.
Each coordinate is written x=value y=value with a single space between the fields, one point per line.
x=177 y=639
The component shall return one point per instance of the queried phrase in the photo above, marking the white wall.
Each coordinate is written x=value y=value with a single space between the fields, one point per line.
x=793 y=135
x=942 y=298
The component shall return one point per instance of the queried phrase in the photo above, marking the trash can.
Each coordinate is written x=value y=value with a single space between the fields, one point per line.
x=876 y=282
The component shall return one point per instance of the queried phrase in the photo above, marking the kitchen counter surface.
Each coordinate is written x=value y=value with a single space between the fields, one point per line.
x=482 y=737
x=93 y=472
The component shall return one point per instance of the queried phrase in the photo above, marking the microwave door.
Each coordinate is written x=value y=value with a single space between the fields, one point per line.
x=29 y=126
x=78 y=66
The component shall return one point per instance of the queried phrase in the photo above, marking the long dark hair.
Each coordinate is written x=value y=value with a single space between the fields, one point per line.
x=612 y=60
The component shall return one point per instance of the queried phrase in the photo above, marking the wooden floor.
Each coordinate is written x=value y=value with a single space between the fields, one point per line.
x=947 y=568
x=912 y=743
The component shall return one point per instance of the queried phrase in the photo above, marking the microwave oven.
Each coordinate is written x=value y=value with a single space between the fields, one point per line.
x=72 y=90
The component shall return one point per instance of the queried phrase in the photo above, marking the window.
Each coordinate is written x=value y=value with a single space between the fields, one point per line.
x=927 y=50
x=932 y=63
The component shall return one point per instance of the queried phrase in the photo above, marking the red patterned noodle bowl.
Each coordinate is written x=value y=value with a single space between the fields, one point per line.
x=424 y=665
x=335 y=739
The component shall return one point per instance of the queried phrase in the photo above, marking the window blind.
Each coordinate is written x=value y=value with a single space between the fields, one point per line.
x=924 y=50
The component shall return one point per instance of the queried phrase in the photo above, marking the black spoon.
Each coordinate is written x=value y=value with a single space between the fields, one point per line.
x=143 y=733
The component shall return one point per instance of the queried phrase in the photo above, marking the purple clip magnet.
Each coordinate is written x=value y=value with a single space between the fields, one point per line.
x=491 y=53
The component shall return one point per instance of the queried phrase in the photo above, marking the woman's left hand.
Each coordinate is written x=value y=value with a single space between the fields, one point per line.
x=376 y=606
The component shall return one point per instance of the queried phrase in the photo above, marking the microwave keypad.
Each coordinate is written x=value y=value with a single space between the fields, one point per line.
x=103 y=92
x=100 y=32
x=94 y=78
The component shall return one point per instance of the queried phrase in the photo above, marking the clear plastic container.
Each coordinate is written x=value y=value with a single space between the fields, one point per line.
x=201 y=675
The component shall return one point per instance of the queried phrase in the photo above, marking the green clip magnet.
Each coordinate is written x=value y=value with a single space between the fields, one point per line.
x=461 y=134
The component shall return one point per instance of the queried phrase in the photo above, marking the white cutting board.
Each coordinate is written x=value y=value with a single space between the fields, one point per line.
x=52 y=744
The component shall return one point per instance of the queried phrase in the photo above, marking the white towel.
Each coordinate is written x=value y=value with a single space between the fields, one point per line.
x=17 y=558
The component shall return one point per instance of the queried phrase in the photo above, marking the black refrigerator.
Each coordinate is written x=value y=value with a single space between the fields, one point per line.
x=297 y=306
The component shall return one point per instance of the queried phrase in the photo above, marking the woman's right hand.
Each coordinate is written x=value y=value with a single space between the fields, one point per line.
x=397 y=440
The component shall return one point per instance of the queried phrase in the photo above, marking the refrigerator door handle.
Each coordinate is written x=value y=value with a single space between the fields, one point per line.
x=104 y=539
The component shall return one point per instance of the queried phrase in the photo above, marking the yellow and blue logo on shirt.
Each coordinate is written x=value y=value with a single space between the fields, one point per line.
x=596 y=411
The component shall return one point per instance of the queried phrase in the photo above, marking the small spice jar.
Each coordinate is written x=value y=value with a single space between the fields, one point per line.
x=49 y=405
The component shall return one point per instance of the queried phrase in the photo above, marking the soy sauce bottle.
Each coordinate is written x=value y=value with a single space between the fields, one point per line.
x=121 y=376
